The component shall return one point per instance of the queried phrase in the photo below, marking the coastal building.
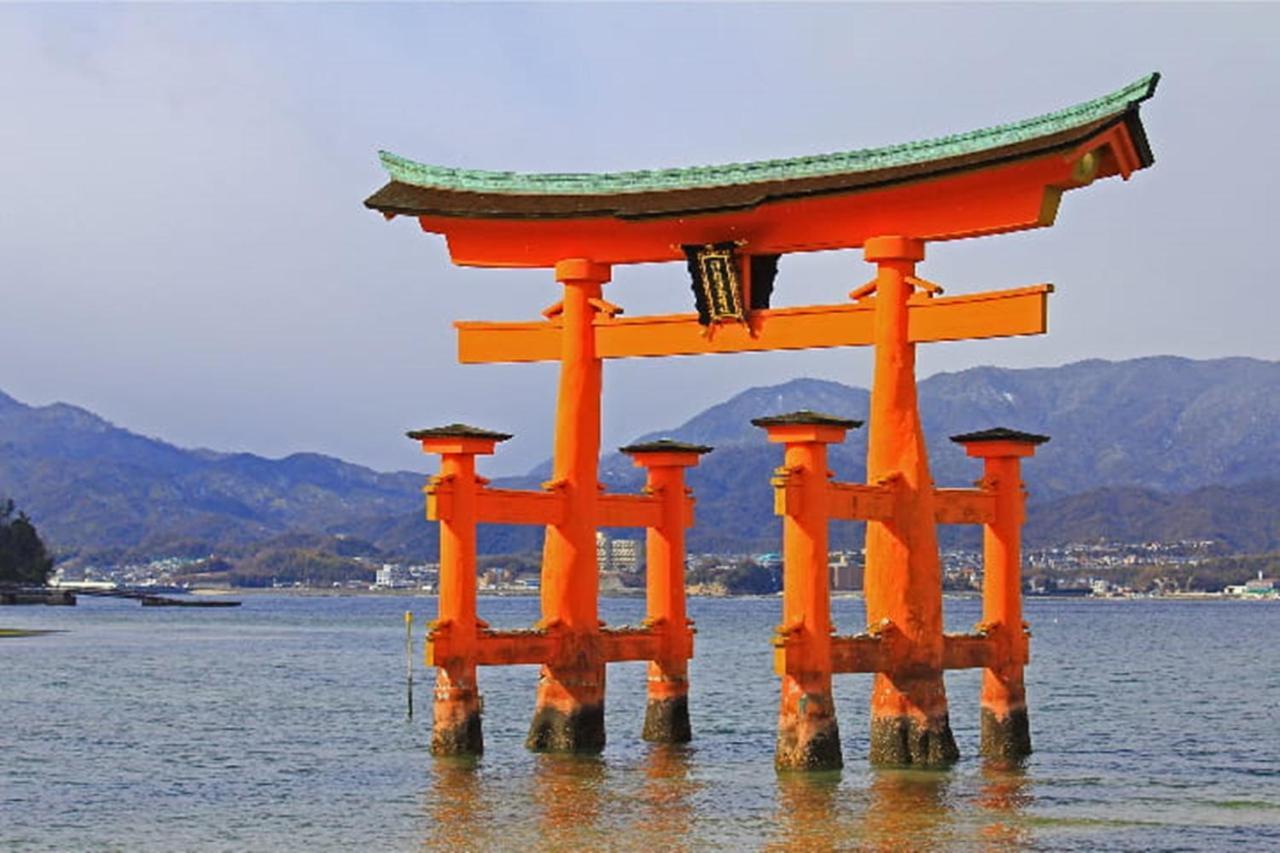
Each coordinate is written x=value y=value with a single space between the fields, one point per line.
x=846 y=571
x=400 y=576
x=617 y=555
x=1261 y=587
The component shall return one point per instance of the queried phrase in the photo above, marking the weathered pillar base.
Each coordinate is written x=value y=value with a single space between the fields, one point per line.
x=910 y=726
x=1006 y=731
x=579 y=729
x=667 y=720
x=569 y=713
x=908 y=741
x=456 y=719
x=666 y=717
x=808 y=735
x=1007 y=736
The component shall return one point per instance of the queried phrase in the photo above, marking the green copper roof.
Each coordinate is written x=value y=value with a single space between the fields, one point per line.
x=408 y=172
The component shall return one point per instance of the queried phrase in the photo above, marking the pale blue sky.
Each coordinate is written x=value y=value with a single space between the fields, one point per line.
x=183 y=247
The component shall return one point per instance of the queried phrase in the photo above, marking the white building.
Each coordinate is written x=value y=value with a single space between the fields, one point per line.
x=392 y=576
x=617 y=555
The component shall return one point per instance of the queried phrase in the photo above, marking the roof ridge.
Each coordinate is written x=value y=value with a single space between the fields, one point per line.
x=406 y=171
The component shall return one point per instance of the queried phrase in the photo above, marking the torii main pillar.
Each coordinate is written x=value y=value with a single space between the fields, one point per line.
x=569 y=712
x=903 y=579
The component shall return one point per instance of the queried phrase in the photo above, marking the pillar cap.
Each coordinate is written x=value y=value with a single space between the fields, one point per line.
x=999 y=434
x=893 y=249
x=666 y=445
x=1000 y=443
x=582 y=269
x=457 y=431
x=805 y=417
x=804 y=427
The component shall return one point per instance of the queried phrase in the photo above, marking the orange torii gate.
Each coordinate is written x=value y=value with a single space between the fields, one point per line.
x=730 y=224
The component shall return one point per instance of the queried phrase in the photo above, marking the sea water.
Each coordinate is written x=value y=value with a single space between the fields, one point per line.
x=282 y=725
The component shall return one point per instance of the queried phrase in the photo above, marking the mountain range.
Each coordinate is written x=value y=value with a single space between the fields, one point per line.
x=1151 y=448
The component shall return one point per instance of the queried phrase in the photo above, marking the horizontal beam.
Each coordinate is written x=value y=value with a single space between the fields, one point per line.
x=857 y=502
x=628 y=511
x=853 y=502
x=872 y=653
x=533 y=646
x=969 y=651
x=992 y=314
x=510 y=506
x=964 y=506
x=505 y=648
x=514 y=506
x=621 y=644
x=858 y=653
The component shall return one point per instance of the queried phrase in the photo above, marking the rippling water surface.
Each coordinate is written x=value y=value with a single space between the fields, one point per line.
x=281 y=724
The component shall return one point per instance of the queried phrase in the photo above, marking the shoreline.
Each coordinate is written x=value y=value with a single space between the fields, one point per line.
x=323 y=592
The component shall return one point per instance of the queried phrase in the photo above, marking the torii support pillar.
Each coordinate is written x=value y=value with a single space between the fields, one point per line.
x=456 y=711
x=808 y=733
x=458 y=641
x=569 y=712
x=903 y=581
x=666 y=715
x=1006 y=731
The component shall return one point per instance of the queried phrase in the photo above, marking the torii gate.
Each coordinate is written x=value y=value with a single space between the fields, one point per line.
x=730 y=224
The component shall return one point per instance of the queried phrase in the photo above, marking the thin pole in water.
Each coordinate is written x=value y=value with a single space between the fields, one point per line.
x=408 y=658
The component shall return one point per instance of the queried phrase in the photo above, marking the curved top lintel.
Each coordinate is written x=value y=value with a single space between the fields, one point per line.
x=409 y=173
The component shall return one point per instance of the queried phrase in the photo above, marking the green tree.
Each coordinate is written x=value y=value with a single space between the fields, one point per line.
x=23 y=558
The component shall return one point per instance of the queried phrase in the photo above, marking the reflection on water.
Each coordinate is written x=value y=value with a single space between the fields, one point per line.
x=909 y=804
x=569 y=788
x=810 y=811
x=1005 y=793
x=581 y=802
x=457 y=806
x=668 y=796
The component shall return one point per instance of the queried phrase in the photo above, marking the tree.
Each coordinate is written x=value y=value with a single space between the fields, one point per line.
x=23 y=558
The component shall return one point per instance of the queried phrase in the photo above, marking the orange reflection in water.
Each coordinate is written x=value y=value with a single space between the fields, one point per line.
x=909 y=809
x=809 y=814
x=1005 y=794
x=667 y=794
x=457 y=805
x=569 y=790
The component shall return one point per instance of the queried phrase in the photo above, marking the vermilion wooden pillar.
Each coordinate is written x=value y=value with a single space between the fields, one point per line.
x=903 y=580
x=808 y=733
x=569 y=710
x=456 y=729
x=1006 y=731
x=666 y=717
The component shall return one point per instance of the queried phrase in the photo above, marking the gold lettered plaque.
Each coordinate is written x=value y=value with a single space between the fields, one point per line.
x=717 y=288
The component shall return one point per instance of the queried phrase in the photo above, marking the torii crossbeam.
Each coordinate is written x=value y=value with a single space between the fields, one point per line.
x=891 y=202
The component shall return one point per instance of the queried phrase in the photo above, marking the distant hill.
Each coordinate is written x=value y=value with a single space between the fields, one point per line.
x=1151 y=448
x=1245 y=518
x=1164 y=423
x=89 y=484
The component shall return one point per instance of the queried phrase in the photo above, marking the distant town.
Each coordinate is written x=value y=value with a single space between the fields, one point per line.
x=1100 y=569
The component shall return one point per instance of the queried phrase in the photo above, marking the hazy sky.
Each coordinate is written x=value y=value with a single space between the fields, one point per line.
x=183 y=247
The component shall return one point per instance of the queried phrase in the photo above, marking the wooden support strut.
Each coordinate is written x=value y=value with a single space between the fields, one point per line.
x=456 y=728
x=808 y=732
x=666 y=638
x=999 y=643
x=1006 y=732
x=458 y=641
x=666 y=718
